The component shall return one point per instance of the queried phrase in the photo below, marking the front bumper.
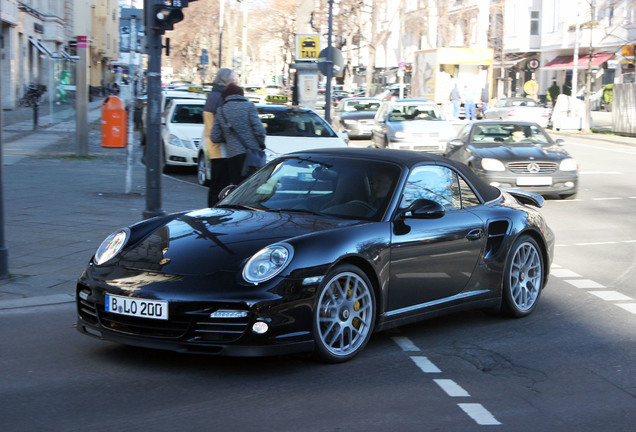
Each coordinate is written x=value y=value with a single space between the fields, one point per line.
x=559 y=184
x=192 y=327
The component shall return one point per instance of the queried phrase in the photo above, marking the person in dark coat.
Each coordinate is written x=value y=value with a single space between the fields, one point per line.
x=241 y=114
x=218 y=163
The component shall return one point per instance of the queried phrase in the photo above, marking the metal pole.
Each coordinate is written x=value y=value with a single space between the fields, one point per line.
x=221 y=18
x=153 y=132
x=4 y=254
x=244 y=46
x=81 y=97
x=131 y=103
x=329 y=66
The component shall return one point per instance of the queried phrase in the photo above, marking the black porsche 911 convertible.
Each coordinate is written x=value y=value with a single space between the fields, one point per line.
x=315 y=252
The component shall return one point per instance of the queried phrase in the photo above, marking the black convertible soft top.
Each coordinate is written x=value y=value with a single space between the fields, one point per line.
x=409 y=159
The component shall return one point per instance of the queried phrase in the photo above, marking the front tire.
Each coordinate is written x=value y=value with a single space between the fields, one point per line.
x=344 y=316
x=523 y=278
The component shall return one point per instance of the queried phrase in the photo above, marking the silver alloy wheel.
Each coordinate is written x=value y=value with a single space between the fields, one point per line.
x=526 y=276
x=345 y=314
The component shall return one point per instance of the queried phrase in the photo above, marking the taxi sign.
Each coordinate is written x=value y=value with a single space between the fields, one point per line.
x=278 y=99
x=196 y=89
x=307 y=46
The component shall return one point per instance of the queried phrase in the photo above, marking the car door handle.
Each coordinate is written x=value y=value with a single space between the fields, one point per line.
x=474 y=234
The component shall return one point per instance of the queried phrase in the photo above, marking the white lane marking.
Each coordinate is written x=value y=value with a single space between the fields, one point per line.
x=425 y=364
x=584 y=283
x=478 y=413
x=629 y=307
x=628 y=241
x=595 y=243
x=555 y=266
x=607 y=199
x=451 y=388
x=601 y=172
x=611 y=295
x=561 y=273
x=405 y=343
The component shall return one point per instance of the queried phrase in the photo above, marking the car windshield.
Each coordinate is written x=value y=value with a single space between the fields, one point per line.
x=509 y=133
x=361 y=105
x=415 y=112
x=188 y=114
x=524 y=102
x=330 y=186
x=295 y=123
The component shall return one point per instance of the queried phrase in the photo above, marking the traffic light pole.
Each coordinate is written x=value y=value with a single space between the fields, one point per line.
x=153 y=157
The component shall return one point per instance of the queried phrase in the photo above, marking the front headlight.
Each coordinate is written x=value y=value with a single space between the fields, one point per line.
x=110 y=247
x=175 y=141
x=568 y=164
x=492 y=165
x=267 y=263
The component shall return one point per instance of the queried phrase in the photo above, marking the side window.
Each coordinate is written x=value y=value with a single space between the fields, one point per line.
x=469 y=199
x=435 y=183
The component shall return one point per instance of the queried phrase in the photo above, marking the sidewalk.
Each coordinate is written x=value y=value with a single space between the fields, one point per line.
x=59 y=207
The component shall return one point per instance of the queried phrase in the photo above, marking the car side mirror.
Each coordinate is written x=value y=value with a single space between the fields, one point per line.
x=560 y=142
x=226 y=191
x=424 y=209
x=455 y=142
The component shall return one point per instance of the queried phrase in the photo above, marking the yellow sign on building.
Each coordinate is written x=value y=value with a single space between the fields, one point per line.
x=307 y=46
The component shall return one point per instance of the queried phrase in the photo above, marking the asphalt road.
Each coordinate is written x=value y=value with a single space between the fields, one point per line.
x=567 y=367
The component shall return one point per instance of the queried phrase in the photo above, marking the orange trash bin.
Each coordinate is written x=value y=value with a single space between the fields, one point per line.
x=114 y=123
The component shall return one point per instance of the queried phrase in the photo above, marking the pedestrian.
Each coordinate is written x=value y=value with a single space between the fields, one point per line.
x=219 y=177
x=470 y=105
x=238 y=123
x=484 y=99
x=455 y=98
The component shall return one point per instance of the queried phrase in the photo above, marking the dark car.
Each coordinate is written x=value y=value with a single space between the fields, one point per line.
x=355 y=116
x=315 y=252
x=517 y=155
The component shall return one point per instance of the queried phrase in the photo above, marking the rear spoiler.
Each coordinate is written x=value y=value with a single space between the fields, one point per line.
x=525 y=197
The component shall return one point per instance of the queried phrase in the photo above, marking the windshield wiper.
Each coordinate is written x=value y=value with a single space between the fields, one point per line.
x=237 y=207
x=307 y=211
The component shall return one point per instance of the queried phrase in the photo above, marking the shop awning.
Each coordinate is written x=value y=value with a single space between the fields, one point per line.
x=40 y=47
x=567 y=62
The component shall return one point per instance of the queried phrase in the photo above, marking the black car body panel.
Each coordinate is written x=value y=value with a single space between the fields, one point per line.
x=194 y=261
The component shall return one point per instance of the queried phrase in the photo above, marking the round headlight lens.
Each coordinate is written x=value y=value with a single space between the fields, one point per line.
x=569 y=164
x=267 y=263
x=492 y=164
x=110 y=247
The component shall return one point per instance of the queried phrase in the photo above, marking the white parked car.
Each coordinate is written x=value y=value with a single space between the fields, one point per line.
x=519 y=109
x=181 y=130
x=166 y=97
x=412 y=124
x=288 y=129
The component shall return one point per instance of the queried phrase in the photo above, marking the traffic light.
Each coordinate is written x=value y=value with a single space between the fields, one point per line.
x=168 y=13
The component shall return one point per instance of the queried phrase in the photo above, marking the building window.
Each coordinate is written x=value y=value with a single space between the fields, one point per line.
x=534 y=23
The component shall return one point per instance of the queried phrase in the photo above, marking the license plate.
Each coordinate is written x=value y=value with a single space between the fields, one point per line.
x=534 y=181
x=156 y=309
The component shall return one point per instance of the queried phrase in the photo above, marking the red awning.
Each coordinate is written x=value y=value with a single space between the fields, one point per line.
x=567 y=62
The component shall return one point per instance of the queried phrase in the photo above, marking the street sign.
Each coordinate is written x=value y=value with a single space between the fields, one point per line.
x=307 y=46
x=533 y=64
x=531 y=87
x=337 y=61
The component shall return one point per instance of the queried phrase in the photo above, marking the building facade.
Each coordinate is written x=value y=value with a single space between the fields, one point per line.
x=38 y=45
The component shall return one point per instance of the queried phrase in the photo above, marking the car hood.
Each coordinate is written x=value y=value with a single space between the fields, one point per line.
x=212 y=240
x=187 y=131
x=286 y=144
x=518 y=151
